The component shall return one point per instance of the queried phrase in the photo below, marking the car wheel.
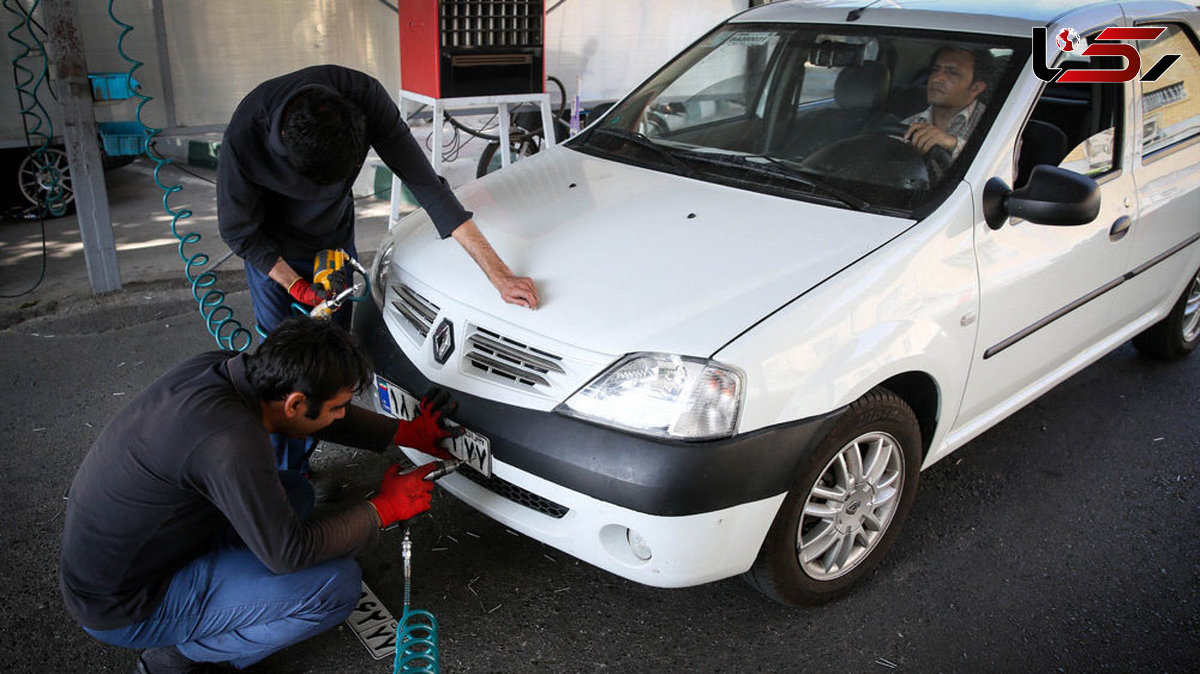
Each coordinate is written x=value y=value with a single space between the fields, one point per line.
x=849 y=499
x=490 y=160
x=45 y=181
x=1176 y=335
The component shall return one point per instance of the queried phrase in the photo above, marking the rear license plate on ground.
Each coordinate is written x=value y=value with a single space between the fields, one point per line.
x=475 y=449
x=373 y=624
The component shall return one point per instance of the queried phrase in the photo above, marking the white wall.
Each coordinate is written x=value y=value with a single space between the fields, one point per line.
x=606 y=48
x=220 y=49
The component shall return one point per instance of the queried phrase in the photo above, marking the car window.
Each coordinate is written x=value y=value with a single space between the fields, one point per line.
x=815 y=112
x=1077 y=126
x=1171 y=103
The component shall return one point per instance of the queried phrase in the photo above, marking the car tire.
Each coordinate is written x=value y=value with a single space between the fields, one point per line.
x=45 y=181
x=849 y=523
x=1178 y=334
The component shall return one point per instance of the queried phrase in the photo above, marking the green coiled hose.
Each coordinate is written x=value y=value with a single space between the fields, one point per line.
x=34 y=118
x=218 y=317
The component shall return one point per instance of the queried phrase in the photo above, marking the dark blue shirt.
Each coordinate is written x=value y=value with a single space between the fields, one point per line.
x=266 y=210
x=187 y=459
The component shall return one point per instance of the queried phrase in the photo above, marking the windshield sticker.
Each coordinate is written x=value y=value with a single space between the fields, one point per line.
x=750 y=39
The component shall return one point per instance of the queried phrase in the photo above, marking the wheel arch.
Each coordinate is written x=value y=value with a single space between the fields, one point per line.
x=920 y=391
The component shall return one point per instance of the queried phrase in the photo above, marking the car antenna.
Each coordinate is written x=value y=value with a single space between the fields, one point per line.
x=856 y=14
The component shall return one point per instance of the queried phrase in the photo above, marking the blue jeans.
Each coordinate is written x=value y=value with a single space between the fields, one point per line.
x=225 y=606
x=272 y=304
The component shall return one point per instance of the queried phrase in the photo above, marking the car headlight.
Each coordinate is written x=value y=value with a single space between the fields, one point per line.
x=381 y=270
x=663 y=395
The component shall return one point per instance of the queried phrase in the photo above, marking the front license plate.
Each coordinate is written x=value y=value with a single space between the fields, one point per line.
x=474 y=449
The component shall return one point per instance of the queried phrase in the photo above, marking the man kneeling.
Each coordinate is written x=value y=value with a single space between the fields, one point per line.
x=183 y=538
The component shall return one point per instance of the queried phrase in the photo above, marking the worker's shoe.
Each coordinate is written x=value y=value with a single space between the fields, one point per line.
x=168 y=660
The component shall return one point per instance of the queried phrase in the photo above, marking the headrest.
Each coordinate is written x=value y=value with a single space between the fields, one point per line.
x=831 y=54
x=862 y=87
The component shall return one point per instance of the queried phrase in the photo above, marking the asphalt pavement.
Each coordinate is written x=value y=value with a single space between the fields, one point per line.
x=1061 y=540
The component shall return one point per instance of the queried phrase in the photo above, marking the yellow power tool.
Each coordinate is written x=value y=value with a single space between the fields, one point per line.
x=334 y=271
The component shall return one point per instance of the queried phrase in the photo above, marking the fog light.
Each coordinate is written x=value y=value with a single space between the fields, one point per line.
x=639 y=546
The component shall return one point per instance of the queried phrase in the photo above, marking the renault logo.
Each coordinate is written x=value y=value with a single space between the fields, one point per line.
x=443 y=341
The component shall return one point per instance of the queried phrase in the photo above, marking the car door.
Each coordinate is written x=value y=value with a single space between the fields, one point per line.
x=1044 y=300
x=1164 y=238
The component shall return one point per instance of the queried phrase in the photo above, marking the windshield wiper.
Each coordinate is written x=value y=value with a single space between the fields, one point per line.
x=780 y=168
x=642 y=141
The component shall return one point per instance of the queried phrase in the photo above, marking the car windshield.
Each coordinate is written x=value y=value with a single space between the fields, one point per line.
x=866 y=118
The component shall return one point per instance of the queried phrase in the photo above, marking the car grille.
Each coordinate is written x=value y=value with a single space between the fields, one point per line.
x=516 y=494
x=418 y=313
x=508 y=361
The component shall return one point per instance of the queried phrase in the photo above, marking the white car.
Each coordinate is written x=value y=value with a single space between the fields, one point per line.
x=764 y=312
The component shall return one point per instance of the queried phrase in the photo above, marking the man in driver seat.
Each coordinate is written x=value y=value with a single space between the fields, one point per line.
x=957 y=77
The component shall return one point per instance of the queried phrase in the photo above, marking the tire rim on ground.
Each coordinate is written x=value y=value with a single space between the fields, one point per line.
x=850 y=506
x=49 y=176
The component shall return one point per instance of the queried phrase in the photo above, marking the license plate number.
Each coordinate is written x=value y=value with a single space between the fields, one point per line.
x=373 y=624
x=474 y=449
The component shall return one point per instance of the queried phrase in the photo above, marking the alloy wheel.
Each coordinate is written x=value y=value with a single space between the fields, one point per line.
x=850 y=506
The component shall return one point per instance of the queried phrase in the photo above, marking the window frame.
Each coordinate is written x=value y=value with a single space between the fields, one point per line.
x=1182 y=143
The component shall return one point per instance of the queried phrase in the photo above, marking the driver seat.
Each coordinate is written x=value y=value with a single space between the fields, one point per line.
x=858 y=95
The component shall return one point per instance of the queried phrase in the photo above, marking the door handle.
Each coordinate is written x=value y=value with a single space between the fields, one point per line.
x=1120 y=228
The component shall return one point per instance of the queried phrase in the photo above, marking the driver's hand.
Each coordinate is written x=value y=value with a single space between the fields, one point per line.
x=925 y=137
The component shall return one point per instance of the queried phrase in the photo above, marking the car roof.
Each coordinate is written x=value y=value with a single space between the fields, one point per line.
x=982 y=16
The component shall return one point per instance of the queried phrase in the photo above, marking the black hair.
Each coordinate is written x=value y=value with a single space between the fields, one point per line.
x=981 y=68
x=325 y=136
x=316 y=358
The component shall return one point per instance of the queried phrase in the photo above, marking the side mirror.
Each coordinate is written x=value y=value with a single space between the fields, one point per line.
x=1053 y=196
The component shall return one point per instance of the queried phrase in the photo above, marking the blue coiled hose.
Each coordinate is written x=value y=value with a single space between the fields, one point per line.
x=416 y=644
x=36 y=121
x=219 y=320
x=417 y=631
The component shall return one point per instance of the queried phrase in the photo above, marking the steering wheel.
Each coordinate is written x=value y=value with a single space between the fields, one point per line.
x=873 y=158
x=937 y=160
x=888 y=125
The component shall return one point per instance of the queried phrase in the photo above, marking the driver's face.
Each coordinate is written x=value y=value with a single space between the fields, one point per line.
x=950 y=78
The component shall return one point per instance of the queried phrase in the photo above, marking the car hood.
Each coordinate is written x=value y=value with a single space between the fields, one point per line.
x=632 y=259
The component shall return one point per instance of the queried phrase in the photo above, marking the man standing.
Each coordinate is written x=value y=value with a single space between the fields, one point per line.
x=956 y=79
x=288 y=161
x=289 y=157
x=183 y=539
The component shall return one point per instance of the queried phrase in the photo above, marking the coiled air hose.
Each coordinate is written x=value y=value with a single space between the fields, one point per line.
x=218 y=317
x=34 y=118
x=417 y=630
x=48 y=175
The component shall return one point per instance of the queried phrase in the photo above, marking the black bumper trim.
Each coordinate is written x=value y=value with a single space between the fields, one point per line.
x=522 y=497
x=656 y=477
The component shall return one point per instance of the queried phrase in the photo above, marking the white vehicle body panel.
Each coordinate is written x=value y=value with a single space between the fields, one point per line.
x=631 y=259
x=594 y=531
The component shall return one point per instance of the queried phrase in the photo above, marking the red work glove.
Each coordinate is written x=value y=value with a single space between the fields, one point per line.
x=423 y=432
x=403 y=495
x=304 y=293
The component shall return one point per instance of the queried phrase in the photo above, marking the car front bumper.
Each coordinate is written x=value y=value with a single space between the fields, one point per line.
x=701 y=509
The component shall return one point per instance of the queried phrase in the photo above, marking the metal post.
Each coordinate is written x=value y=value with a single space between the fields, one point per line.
x=68 y=72
x=164 y=64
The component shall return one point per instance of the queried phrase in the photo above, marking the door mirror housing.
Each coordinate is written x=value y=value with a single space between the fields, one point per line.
x=1053 y=196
